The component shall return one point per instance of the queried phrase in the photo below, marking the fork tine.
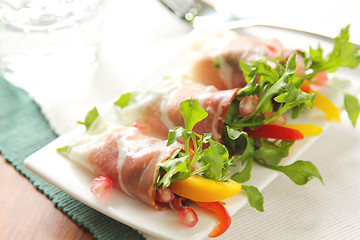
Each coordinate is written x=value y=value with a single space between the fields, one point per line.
x=189 y=10
x=182 y=7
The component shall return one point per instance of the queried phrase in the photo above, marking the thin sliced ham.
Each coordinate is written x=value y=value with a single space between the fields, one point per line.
x=127 y=157
x=162 y=112
x=214 y=59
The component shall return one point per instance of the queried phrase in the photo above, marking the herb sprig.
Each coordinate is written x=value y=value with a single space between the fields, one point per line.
x=212 y=162
x=212 y=158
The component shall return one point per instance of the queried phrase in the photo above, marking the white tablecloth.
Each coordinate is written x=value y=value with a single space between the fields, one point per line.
x=140 y=34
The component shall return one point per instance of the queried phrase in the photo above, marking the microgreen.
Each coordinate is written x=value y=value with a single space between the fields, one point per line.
x=63 y=150
x=90 y=118
x=123 y=100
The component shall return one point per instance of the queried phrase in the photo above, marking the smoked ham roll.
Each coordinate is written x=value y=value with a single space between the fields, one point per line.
x=125 y=155
x=214 y=60
x=154 y=112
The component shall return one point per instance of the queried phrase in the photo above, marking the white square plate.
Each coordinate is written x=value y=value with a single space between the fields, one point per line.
x=75 y=180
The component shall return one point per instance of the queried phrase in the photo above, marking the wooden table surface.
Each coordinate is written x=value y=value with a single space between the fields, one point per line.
x=28 y=214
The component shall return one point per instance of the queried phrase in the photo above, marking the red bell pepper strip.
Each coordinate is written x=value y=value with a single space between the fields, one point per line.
x=275 y=132
x=222 y=215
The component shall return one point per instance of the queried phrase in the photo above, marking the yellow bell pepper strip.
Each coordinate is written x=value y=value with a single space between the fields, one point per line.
x=306 y=129
x=332 y=113
x=275 y=132
x=222 y=215
x=197 y=188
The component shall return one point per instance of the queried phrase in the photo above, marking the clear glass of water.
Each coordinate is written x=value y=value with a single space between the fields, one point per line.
x=49 y=40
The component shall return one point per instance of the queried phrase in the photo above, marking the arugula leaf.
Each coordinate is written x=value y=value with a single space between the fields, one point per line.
x=90 y=118
x=123 y=100
x=258 y=67
x=233 y=114
x=344 y=54
x=245 y=174
x=271 y=153
x=239 y=142
x=352 y=107
x=252 y=88
x=172 y=167
x=281 y=84
x=214 y=160
x=268 y=92
x=297 y=110
x=192 y=113
x=233 y=133
x=174 y=134
x=215 y=157
x=294 y=96
x=300 y=172
x=256 y=199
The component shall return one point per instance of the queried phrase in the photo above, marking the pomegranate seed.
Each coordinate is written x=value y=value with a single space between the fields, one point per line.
x=101 y=186
x=164 y=195
x=247 y=105
x=188 y=217
x=177 y=203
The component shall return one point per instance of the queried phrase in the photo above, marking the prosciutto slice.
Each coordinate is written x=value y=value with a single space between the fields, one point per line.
x=126 y=156
x=214 y=59
x=162 y=112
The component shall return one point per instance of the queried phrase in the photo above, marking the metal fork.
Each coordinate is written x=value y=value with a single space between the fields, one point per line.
x=194 y=11
x=197 y=12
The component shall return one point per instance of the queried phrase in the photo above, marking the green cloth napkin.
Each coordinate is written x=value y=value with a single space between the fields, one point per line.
x=24 y=130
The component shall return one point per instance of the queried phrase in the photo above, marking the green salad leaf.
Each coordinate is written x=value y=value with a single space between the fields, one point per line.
x=123 y=100
x=272 y=153
x=245 y=174
x=300 y=172
x=352 y=107
x=344 y=54
x=192 y=113
x=256 y=199
x=176 y=133
x=278 y=85
x=63 y=150
x=90 y=118
x=172 y=166
x=214 y=160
